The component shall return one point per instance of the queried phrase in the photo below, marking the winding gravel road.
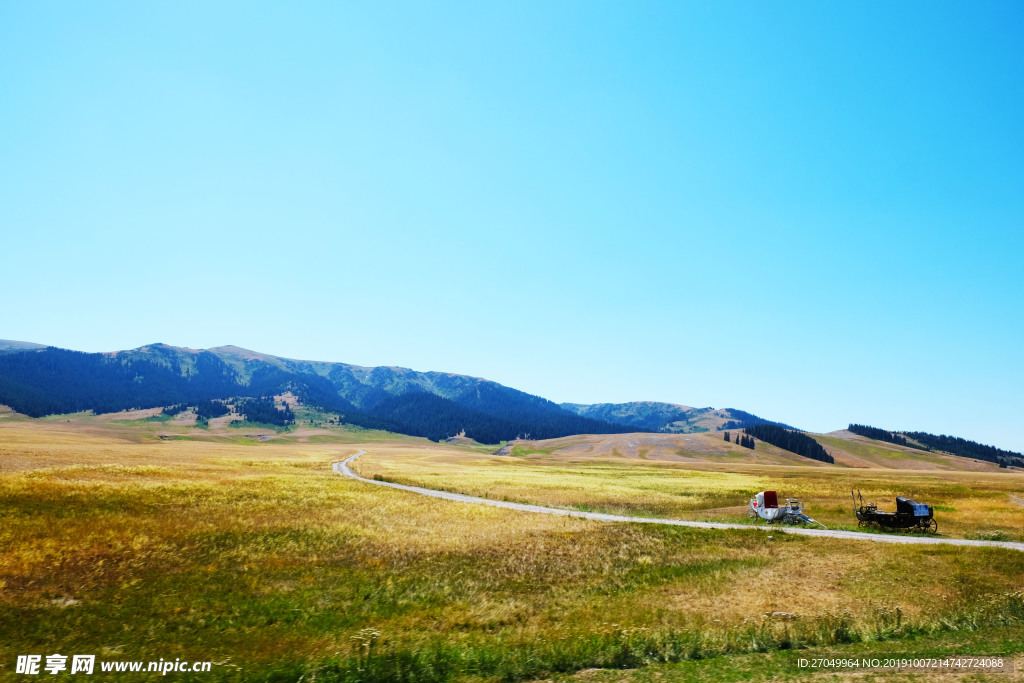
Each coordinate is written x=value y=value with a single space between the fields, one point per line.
x=343 y=469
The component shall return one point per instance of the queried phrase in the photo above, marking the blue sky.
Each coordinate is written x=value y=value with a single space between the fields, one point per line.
x=811 y=211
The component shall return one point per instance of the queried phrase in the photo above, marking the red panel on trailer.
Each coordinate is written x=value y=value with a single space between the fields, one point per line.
x=771 y=500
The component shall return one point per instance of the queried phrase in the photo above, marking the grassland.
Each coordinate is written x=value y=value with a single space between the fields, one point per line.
x=255 y=556
x=848 y=449
x=852 y=450
x=969 y=504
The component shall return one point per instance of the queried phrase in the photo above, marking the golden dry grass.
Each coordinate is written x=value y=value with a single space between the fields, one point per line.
x=853 y=450
x=259 y=553
x=704 y=447
x=968 y=504
x=848 y=449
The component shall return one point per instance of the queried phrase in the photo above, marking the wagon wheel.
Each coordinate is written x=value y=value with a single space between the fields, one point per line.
x=862 y=523
x=930 y=527
x=751 y=514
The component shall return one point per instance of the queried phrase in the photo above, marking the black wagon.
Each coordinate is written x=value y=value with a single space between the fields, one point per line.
x=909 y=515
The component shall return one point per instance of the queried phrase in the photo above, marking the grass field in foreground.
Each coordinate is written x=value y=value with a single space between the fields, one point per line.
x=257 y=557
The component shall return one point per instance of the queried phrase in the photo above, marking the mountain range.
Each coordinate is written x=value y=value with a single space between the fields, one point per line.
x=42 y=380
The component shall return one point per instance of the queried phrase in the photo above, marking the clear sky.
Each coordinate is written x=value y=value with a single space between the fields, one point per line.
x=811 y=211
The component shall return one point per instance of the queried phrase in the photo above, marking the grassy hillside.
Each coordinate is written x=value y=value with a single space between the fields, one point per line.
x=858 y=451
x=701 y=447
x=848 y=449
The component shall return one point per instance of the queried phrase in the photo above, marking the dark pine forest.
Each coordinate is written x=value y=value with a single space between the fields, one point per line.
x=786 y=439
x=878 y=434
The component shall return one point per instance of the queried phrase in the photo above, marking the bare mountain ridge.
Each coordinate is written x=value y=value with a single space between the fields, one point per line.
x=10 y=345
x=668 y=417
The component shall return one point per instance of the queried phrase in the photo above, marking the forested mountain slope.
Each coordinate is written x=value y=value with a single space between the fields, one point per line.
x=45 y=380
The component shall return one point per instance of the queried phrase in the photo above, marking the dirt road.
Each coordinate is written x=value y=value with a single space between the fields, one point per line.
x=343 y=469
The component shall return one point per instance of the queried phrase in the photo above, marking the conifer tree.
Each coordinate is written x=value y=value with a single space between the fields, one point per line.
x=790 y=440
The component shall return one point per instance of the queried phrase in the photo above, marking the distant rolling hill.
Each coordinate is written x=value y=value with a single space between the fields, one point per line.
x=853 y=450
x=668 y=417
x=697 y=447
x=848 y=449
x=37 y=380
